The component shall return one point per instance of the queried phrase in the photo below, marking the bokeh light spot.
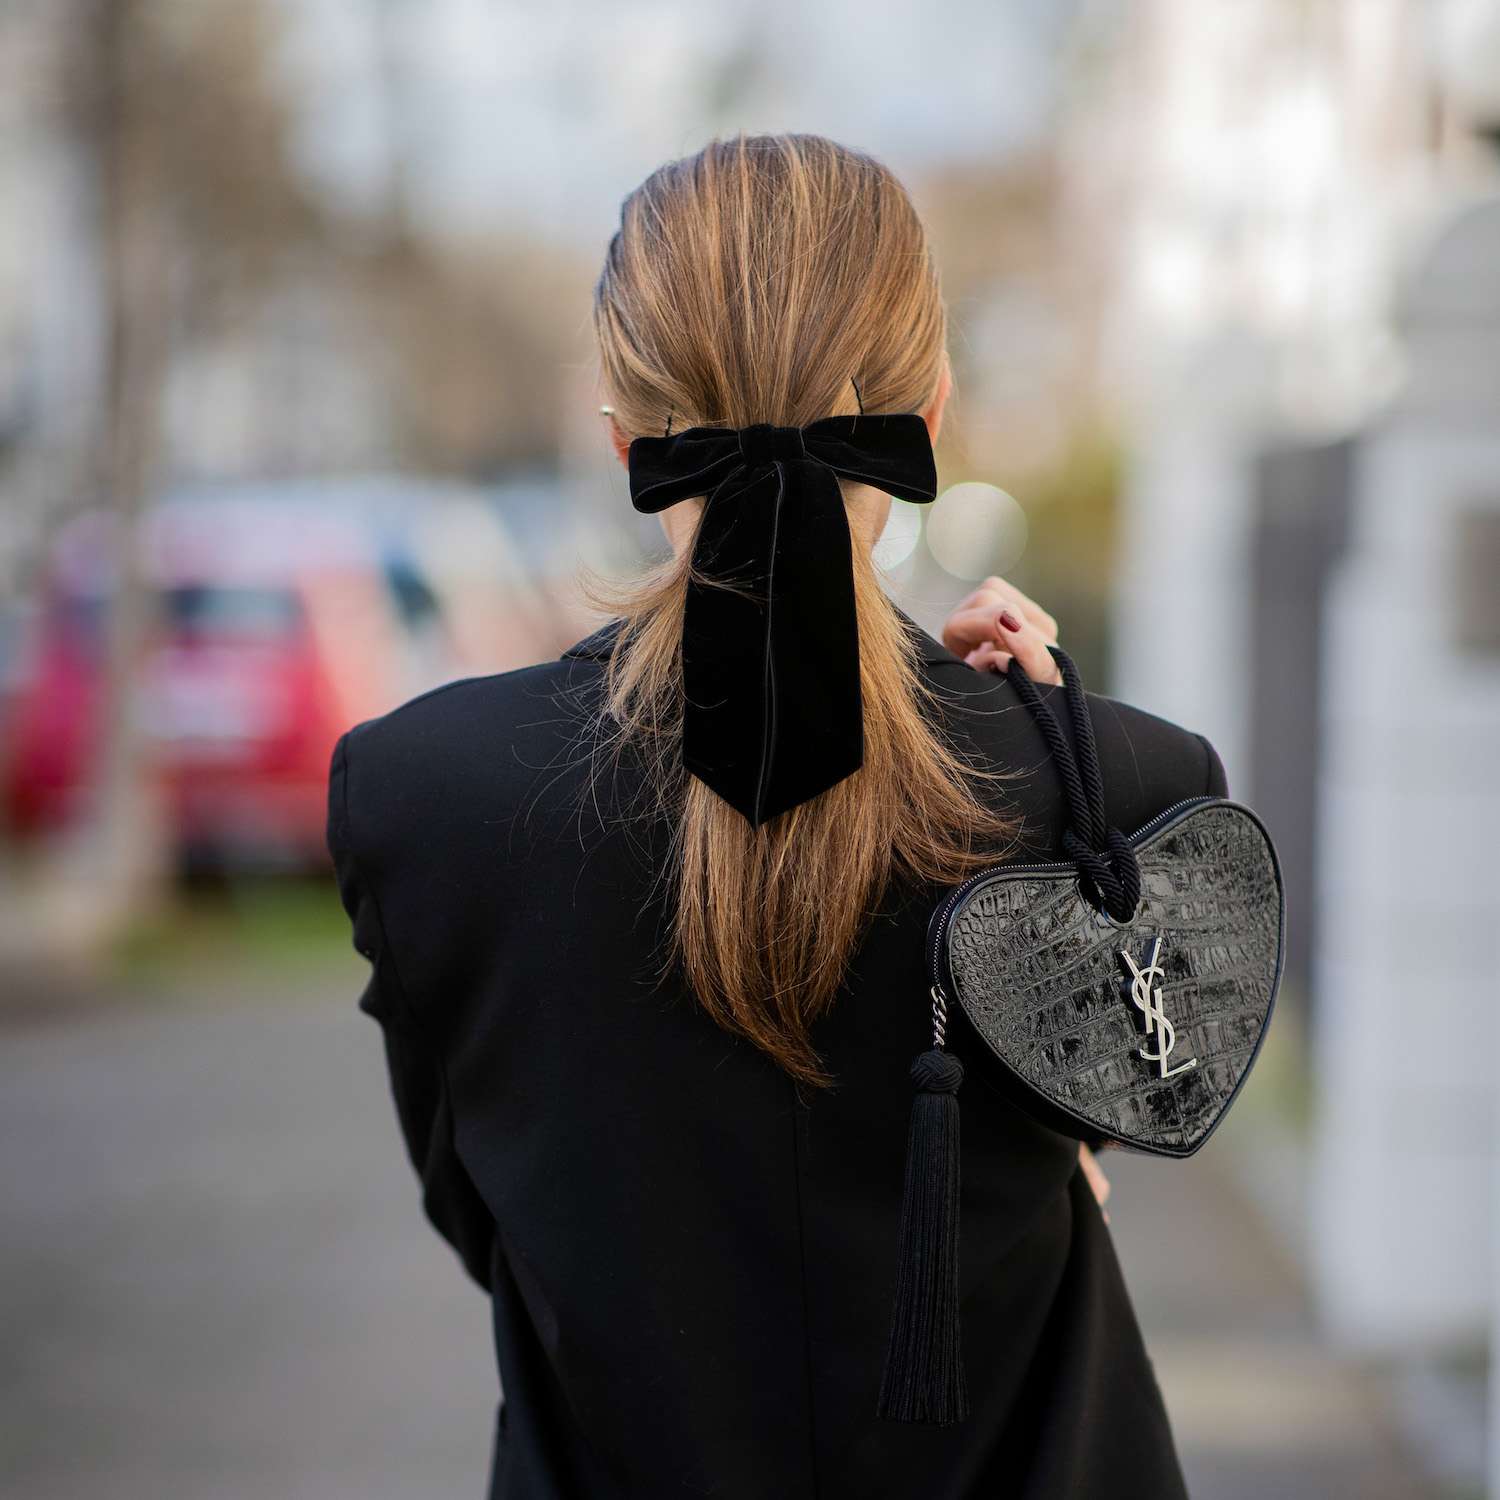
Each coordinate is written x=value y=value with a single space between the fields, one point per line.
x=976 y=529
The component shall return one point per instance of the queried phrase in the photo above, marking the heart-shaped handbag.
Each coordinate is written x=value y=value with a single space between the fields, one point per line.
x=1137 y=1034
x=1123 y=991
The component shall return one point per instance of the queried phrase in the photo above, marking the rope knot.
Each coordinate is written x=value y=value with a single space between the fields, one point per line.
x=937 y=1072
x=1111 y=878
x=762 y=443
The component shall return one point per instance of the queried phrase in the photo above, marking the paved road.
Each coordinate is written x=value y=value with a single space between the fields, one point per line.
x=214 y=1282
x=1259 y=1406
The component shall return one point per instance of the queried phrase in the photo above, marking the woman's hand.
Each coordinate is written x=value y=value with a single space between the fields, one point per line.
x=1096 y=1178
x=997 y=622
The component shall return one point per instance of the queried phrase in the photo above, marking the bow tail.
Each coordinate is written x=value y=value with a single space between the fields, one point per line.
x=773 y=712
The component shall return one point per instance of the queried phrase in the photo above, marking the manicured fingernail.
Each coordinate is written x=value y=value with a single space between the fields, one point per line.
x=1008 y=621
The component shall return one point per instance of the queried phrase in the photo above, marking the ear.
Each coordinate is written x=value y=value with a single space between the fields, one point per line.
x=933 y=416
x=619 y=441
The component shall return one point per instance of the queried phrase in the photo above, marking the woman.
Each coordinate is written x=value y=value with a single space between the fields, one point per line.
x=649 y=1036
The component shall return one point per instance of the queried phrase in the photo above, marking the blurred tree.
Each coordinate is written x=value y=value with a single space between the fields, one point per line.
x=1073 y=507
x=216 y=255
x=127 y=141
x=1029 y=413
x=481 y=338
x=480 y=334
x=194 y=206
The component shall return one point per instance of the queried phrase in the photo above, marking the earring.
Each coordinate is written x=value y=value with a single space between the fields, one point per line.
x=606 y=411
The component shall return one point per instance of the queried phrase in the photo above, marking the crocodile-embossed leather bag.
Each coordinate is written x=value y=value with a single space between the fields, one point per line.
x=1123 y=991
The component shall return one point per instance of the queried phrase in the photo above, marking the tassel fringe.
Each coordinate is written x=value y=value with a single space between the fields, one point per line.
x=923 y=1379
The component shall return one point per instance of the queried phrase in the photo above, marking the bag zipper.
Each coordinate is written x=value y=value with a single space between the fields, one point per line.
x=940 y=917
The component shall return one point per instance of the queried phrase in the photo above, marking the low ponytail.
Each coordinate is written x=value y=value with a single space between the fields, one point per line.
x=748 y=284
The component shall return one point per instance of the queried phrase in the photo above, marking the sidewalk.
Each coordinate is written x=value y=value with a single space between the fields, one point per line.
x=215 y=1244
x=1260 y=1407
x=215 y=1281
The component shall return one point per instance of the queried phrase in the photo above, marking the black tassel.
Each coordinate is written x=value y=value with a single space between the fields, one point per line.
x=924 y=1369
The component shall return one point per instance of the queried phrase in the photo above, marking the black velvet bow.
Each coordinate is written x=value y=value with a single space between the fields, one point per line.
x=770 y=645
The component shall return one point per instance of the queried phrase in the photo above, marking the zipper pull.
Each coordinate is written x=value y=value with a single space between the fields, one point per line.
x=939 y=1016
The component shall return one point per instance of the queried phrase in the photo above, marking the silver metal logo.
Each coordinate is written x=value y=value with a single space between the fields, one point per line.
x=1147 y=996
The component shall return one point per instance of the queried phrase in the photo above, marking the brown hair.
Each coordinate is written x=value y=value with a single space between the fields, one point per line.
x=762 y=280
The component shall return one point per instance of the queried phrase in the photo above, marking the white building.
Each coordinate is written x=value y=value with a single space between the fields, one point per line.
x=1298 y=217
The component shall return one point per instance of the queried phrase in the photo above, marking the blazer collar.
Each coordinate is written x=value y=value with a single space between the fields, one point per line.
x=597 y=645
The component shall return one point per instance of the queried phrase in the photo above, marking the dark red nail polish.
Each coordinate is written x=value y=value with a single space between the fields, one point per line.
x=1008 y=621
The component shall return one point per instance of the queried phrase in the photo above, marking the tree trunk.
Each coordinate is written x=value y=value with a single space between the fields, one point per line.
x=127 y=834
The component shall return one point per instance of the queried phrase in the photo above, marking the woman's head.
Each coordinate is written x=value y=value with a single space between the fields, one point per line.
x=769 y=279
x=780 y=279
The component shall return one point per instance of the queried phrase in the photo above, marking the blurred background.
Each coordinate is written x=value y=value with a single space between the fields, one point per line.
x=297 y=418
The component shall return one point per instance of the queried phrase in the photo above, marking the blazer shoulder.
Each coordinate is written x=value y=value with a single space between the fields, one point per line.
x=464 y=750
x=1167 y=761
x=1147 y=762
x=495 y=698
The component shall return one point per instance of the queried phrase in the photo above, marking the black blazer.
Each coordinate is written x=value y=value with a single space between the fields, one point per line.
x=691 y=1273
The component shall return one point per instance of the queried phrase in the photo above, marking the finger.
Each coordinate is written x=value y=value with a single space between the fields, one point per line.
x=972 y=623
x=1097 y=1181
x=1091 y=1176
x=988 y=658
x=1027 y=607
x=1029 y=647
x=1034 y=614
x=987 y=590
x=973 y=618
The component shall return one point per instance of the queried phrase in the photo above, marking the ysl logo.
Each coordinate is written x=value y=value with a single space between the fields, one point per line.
x=1147 y=997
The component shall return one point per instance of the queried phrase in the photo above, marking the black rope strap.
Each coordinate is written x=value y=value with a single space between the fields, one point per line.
x=1109 y=874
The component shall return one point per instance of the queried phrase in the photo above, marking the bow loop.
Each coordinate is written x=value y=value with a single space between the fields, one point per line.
x=772 y=712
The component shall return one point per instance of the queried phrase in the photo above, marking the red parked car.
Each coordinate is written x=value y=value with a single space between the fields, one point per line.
x=279 y=618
